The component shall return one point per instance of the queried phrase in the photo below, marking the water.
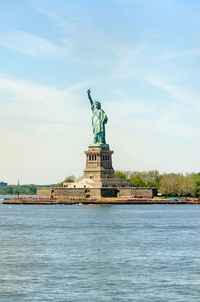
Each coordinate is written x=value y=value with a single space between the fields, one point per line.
x=109 y=253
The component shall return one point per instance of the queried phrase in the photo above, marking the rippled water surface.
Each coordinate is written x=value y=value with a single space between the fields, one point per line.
x=92 y=253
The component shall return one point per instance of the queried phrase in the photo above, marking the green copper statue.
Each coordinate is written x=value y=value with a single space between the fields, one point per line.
x=99 y=119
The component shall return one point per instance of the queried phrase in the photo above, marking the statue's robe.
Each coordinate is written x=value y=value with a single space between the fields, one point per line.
x=98 y=120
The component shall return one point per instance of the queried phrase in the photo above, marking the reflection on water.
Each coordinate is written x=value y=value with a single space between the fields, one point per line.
x=99 y=253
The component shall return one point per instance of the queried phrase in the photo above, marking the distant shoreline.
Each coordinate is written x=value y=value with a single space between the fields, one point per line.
x=12 y=195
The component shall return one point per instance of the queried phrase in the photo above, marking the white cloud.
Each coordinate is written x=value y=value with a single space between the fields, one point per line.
x=26 y=99
x=177 y=92
x=144 y=58
x=80 y=31
x=46 y=130
x=30 y=44
x=43 y=131
x=177 y=54
x=129 y=57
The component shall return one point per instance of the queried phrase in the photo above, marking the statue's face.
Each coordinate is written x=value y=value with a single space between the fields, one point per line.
x=98 y=105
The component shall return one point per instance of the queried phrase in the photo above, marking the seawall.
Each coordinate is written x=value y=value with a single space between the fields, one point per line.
x=100 y=201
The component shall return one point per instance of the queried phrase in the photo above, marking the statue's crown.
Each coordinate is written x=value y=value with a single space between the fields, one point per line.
x=96 y=102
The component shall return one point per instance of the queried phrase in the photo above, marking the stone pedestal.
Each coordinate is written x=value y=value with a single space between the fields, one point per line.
x=99 y=172
x=98 y=181
x=99 y=167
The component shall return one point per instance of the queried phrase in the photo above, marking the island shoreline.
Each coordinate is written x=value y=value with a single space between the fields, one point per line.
x=101 y=201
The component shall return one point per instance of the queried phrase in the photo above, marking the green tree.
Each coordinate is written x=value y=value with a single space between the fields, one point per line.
x=177 y=185
x=146 y=178
x=196 y=180
x=70 y=178
x=121 y=175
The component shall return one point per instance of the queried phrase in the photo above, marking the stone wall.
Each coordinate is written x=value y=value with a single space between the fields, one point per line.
x=124 y=192
x=44 y=192
x=136 y=192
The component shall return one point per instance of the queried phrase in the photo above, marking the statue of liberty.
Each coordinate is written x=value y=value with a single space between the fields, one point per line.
x=99 y=119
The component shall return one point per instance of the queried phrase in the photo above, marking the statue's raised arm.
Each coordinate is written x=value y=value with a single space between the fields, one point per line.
x=89 y=96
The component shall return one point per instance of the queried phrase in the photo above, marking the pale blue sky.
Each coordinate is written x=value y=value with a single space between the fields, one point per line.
x=141 y=59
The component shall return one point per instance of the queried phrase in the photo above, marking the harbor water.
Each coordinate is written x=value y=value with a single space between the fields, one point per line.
x=99 y=253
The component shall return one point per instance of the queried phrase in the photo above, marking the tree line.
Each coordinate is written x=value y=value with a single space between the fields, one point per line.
x=21 y=189
x=168 y=184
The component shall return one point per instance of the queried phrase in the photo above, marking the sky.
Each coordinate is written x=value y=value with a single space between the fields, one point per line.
x=141 y=58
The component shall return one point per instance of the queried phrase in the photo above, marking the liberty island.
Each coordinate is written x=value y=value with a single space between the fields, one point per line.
x=98 y=185
x=98 y=180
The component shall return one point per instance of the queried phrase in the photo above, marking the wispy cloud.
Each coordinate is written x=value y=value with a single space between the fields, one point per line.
x=141 y=58
x=78 y=28
x=29 y=100
x=29 y=44
x=177 y=92
x=129 y=57
x=168 y=55
x=135 y=70
x=40 y=122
